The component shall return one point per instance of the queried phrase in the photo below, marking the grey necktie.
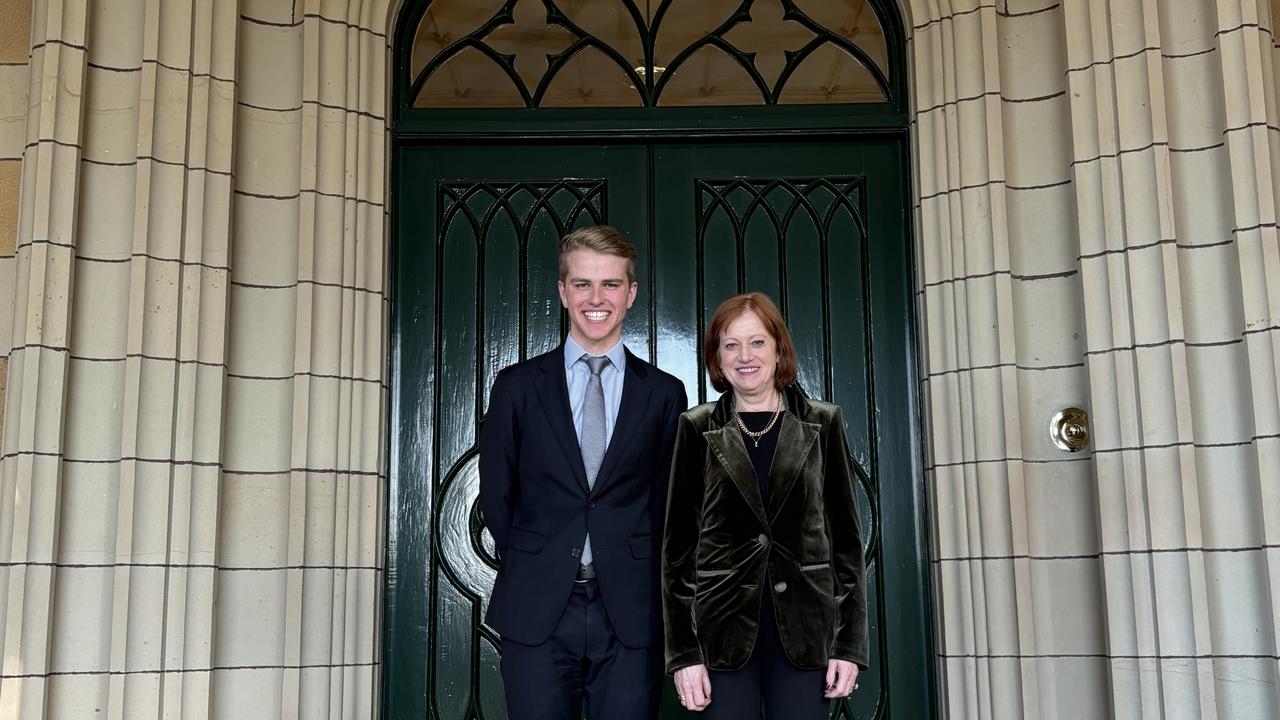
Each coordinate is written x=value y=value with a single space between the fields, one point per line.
x=593 y=436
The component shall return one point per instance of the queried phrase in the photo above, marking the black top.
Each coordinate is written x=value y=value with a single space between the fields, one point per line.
x=761 y=457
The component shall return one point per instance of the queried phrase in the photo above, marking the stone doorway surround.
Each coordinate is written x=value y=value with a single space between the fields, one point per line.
x=197 y=377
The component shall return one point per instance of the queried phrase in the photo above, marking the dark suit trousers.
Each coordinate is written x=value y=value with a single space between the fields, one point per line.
x=582 y=662
x=768 y=680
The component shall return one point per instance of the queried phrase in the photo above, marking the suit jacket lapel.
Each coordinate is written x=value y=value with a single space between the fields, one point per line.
x=725 y=442
x=553 y=391
x=631 y=410
x=796 y=439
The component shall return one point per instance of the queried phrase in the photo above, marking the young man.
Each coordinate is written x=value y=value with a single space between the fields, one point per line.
x=575 y=453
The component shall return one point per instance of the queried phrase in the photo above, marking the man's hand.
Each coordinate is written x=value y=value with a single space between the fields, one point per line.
x=693 y=687
x=842 y=678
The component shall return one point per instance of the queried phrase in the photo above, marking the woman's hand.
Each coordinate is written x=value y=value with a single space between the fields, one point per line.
x=693 y=687
x=842 y=678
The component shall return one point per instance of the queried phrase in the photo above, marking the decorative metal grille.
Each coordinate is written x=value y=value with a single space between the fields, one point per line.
x=618 y=53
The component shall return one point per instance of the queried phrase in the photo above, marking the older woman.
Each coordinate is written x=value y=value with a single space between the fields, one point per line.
x=762 y=565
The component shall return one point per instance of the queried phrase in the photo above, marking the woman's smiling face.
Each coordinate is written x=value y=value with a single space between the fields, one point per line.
x=748 y=355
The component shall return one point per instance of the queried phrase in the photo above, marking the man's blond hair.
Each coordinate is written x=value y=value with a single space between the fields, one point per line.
x=598 y=238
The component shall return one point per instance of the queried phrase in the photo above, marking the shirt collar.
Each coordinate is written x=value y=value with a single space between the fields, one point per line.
x=573 y=352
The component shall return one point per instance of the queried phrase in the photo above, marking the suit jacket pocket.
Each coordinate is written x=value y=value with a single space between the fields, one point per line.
x=641 y=547
x=525 y=540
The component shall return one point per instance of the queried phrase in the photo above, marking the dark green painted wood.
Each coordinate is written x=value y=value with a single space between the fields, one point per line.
x=820 y=226
x=822 y=275
x=461 y=310
x=625 y=124
x=476 y=262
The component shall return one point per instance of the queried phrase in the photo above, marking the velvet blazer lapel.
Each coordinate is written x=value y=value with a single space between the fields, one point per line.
x=796 y=439
x=726 y=443
x=553 y=391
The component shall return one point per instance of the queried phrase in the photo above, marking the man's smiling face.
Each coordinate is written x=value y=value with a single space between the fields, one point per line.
x=597 y=294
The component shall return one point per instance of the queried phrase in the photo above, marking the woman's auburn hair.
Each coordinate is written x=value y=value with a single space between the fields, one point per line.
x=733 y=308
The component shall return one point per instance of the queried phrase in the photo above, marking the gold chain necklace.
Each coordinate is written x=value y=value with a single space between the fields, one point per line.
x=755 y=436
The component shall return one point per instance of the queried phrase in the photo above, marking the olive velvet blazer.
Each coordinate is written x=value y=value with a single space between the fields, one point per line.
x=724 y=546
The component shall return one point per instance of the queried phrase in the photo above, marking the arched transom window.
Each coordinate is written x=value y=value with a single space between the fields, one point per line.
x=646 y=53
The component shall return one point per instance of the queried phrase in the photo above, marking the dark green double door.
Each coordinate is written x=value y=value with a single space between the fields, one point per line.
x=819 y=227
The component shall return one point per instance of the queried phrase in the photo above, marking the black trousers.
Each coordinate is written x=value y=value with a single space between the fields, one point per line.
x=768 y=681
x=582 y=663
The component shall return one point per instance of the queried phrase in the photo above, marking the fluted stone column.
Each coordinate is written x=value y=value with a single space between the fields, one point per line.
x=193 y=486
x=1174 y=147
x=15 y=48
x=1097 y=227
x=31 y=477
x=303 y=479
x=1001 y=326
x=122 y=446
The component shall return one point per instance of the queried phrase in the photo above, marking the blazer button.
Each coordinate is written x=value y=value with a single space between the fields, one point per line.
x=780 y=586
x=763 y=540
x=591 y=506
x=575 y=552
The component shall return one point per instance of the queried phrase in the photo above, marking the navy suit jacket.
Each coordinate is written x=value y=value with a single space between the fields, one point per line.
x=536 y=503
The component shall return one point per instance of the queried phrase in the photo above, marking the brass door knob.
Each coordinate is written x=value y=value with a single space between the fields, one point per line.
x=1069 y=430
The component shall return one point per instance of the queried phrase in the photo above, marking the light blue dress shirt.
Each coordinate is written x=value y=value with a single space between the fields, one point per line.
x=576 y=374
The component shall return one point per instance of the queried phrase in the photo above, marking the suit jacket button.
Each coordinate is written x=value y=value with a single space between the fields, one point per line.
x=575 y=552
x=780 y=586
x=763 y=540
x=591 y=506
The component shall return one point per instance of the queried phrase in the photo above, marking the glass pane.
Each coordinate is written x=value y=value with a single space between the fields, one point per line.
x=469 y=79
x=531 y=39
x=709 y=77
x=614 y=24
x=739 y=52
x=830 y=75
x=591 y=79
x=685 y=22
x=445 y=23
x=853 y=20
x=769 y=37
